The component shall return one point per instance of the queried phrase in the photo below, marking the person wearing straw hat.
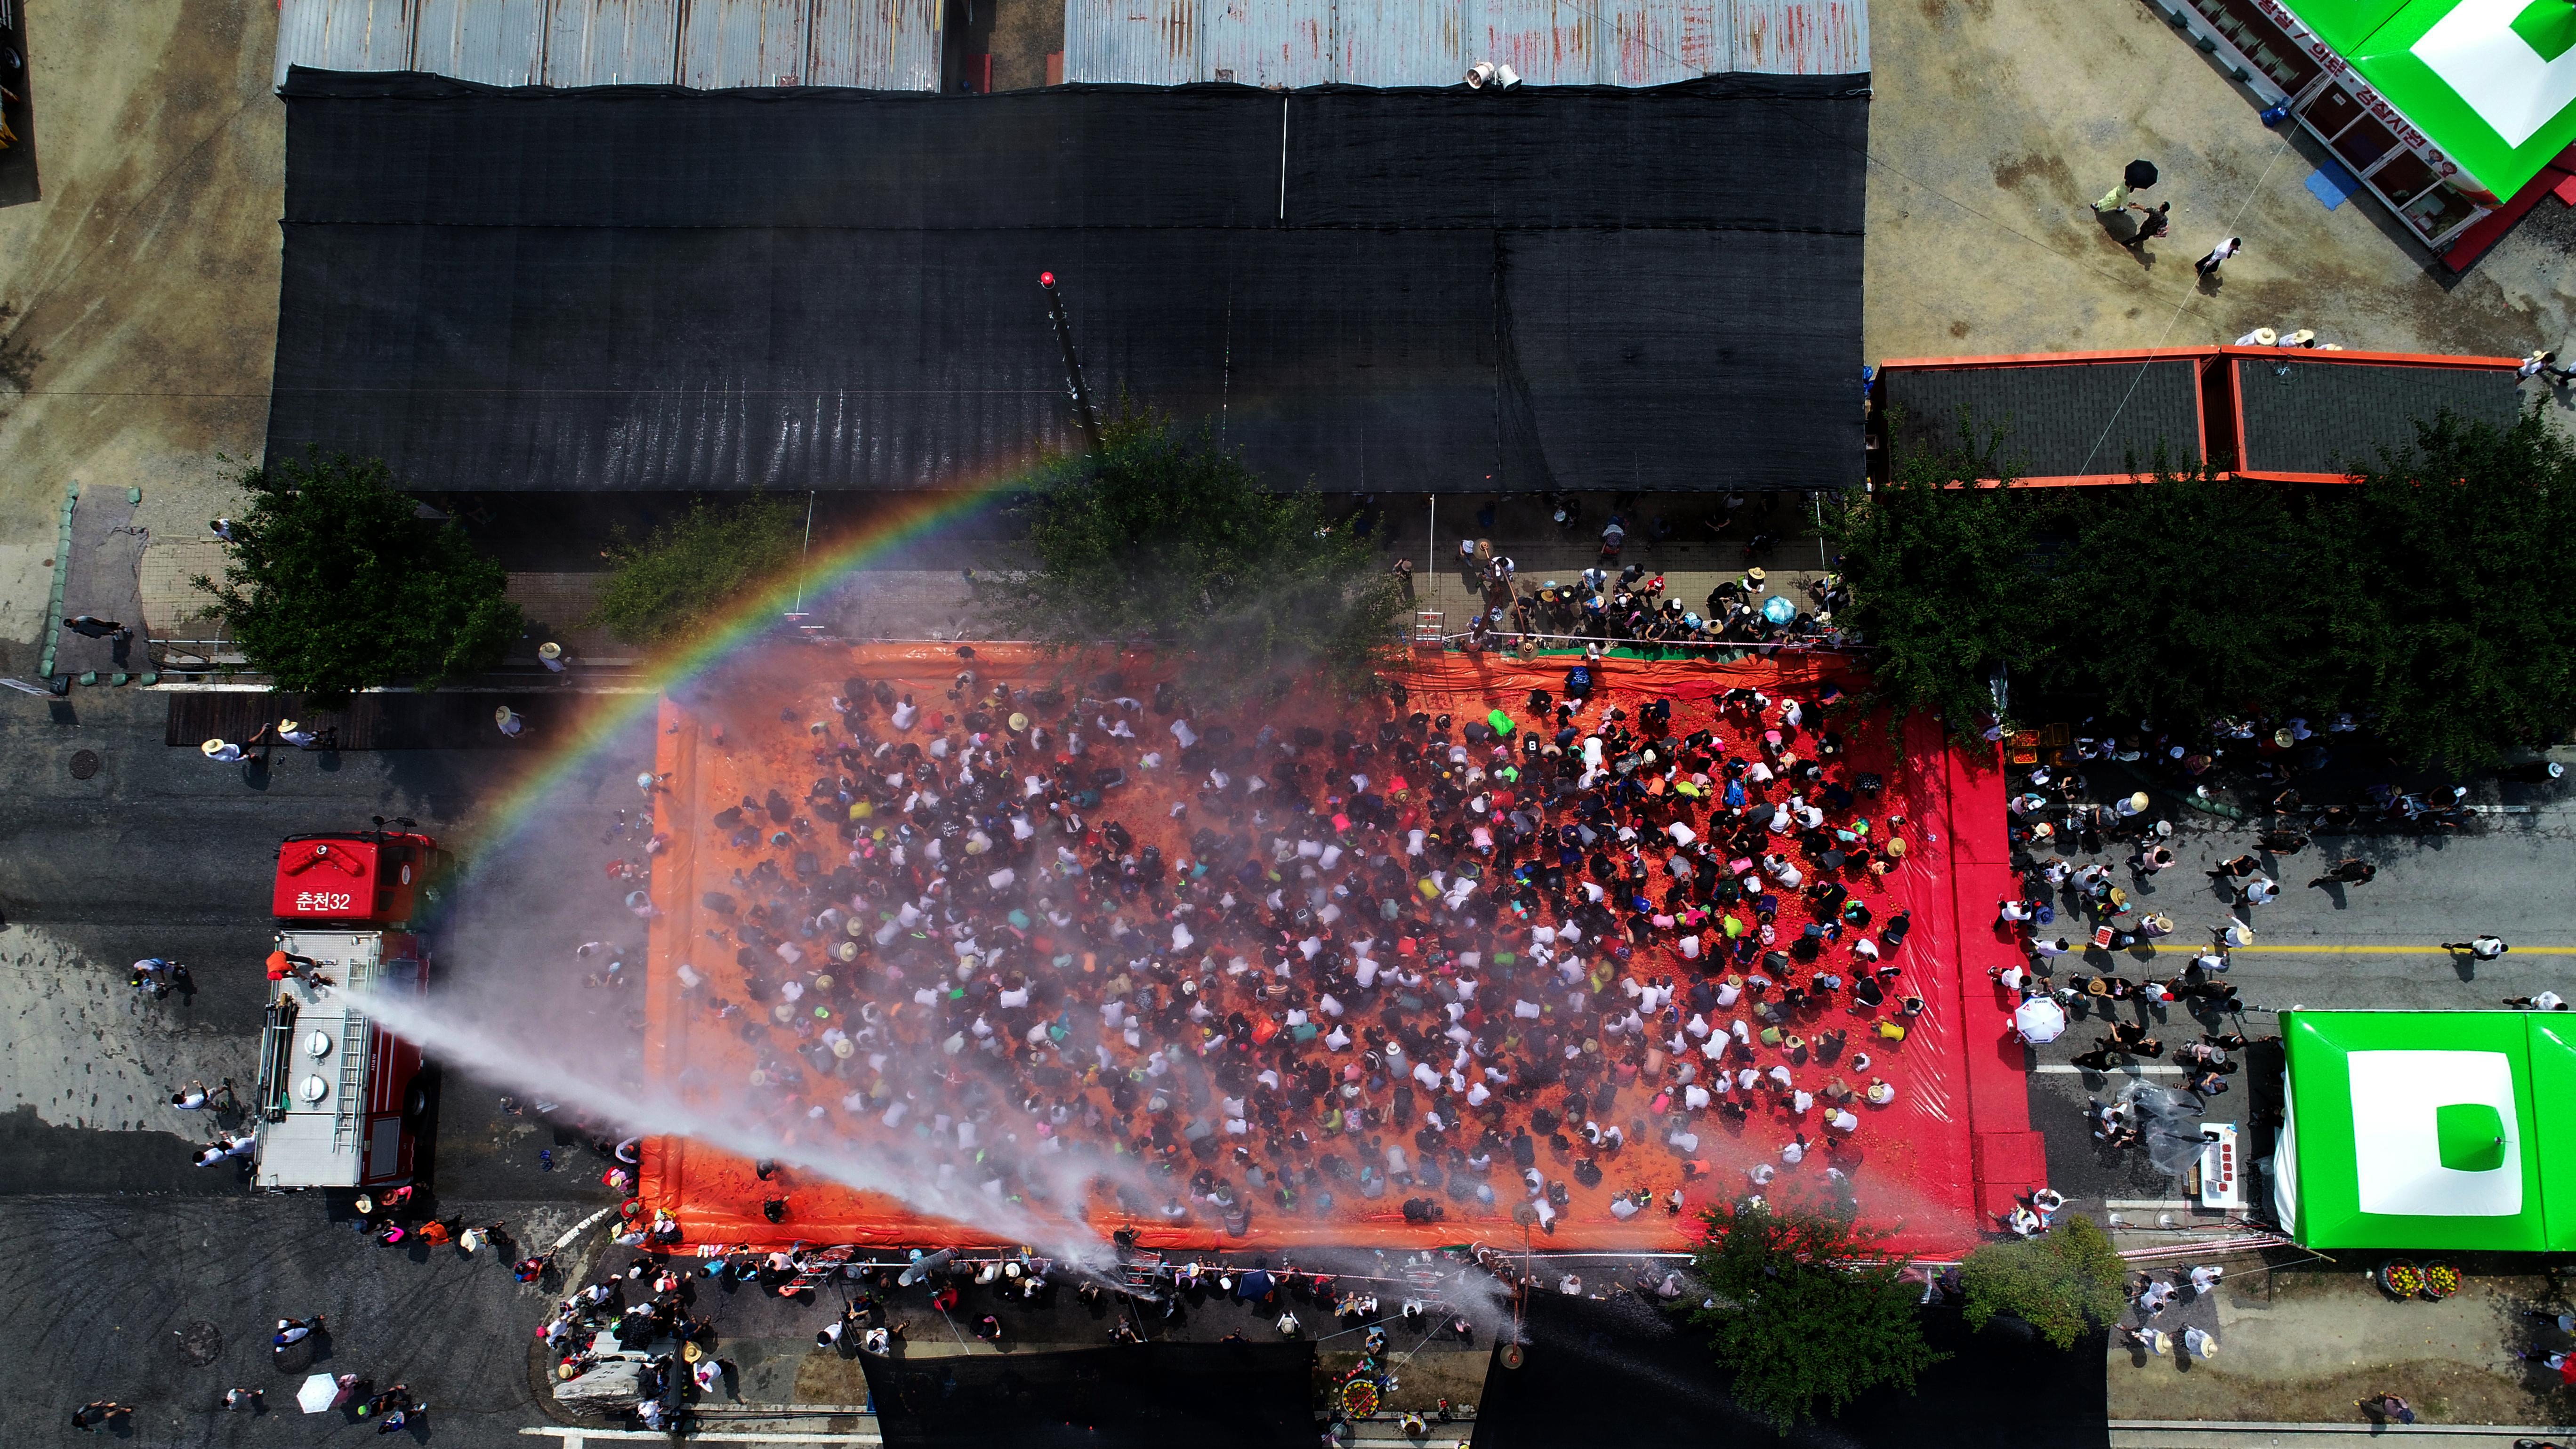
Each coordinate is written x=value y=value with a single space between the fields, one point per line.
x=2259 y=337
x=293 y=732
x=551 y=655
x=510 y=721
x=2303 y=337
x=222 y=752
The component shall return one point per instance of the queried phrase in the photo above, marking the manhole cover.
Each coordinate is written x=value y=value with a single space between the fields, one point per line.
x=84 y=764
x=200 y=1343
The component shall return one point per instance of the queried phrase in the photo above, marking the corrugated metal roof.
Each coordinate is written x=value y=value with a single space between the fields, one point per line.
x=744 y=43
x=1147 y=42
x=879 y=45
x=356 y=35
x=1267 y=42
x=706 y=44
x=1432 y=42
x=496 y=42
x=1802 y=37
x=612 y=42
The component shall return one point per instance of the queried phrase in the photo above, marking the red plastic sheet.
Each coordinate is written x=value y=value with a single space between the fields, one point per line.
x=1959 y=1076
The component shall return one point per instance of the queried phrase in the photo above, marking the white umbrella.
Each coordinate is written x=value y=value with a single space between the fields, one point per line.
x=2039 y=1019
x=320 y=1394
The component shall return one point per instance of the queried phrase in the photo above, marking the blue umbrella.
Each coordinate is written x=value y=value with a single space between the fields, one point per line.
x=1778 y=610
x=1253 y=1286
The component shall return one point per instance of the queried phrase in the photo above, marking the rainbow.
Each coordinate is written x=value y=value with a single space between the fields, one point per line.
x=613 y=713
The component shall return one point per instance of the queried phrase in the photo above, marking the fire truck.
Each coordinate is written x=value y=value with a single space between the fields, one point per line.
x=341 y=1100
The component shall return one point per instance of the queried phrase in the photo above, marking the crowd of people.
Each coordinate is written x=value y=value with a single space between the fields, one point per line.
x=1612 y=603
x=1416 y=961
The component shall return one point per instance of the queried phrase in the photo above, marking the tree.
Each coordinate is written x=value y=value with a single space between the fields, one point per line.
x=2457 y=589
x=2184 y=597
x=1806 y=1306
x=695 y=566
x=334 y=584
x=1941 y=577
x=1170 y=541
x=2062 y=1283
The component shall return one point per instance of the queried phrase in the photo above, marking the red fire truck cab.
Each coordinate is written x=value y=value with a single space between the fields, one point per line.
x=340 y=1099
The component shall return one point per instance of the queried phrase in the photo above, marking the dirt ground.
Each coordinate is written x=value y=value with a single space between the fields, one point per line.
x=1995 y=122
x=138 y=296
x=2302 y=1345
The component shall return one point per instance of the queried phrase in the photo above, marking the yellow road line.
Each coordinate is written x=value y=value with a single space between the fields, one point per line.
x=2388 y=950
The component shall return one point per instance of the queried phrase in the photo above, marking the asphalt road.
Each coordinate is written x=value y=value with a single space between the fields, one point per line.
x=113 y=1241
x=2352 y=947
x=118 y=1249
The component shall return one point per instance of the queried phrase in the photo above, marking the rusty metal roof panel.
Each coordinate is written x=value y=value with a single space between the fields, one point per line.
x=1431 y=42
x=1267 y=42
x=1142 y=42
x=496 y=42
x=885 y=45
x=1802 y=37
x=1399 y=43
x=1550 y=42
x=344 y=35
x=1658 y=42
x=612 y=42
x=744 y=43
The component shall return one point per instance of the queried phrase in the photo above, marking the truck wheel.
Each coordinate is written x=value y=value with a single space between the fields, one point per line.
x=415 y=1101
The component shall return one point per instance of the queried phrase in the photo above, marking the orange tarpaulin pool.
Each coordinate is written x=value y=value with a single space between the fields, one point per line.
x=1933 y=1162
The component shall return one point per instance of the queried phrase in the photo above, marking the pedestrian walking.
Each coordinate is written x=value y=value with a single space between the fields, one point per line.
x=2351 y=870
x=2541 y=1001
x=295 y=1330
x=551 y=655
x=2259 y=337
x=222 y=752
x=1403 y=571
x=2388 y=1408
x=91 y=626
x=2155 y=222
x=2284 y=841
x=2258 y=891
x=2541 y=365
x=510 y=721
x=249 y=1401
x=100 y=1411
x=2208 y=265
x=2482 y=948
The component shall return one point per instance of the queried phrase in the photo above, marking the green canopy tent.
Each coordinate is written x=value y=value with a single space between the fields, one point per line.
x=2428 y=1129
x=2490 y=82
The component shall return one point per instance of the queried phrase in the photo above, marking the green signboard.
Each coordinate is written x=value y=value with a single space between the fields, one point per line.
x=2437 y=1129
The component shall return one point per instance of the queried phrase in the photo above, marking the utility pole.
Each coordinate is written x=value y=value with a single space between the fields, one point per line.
x=1082 y=408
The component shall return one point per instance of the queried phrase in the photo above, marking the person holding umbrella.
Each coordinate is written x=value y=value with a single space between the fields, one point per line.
x=2138 y=177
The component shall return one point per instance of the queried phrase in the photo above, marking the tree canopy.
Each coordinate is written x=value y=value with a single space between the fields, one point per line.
x=1167 y=539
x=1940 y=575
x=2064 y=1283
x=334 y=584
x=2436 y=592
x=695 y=566
x=1806 y=1309
x=2455 y=588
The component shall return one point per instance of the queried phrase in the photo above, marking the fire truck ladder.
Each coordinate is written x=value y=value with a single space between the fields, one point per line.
x=353 y=1081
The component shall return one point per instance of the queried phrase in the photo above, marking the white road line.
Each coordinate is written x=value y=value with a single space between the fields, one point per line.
x=2153 y=1069
x=2162 y=1204
x=579 y=1228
